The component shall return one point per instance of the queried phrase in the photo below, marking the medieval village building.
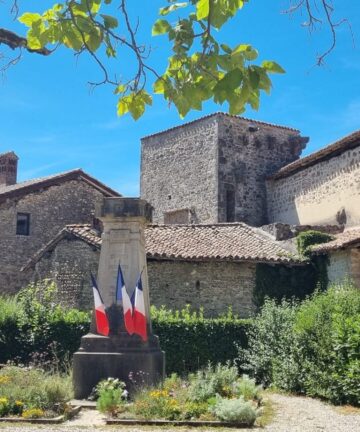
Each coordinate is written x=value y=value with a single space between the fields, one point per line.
x=228 y=195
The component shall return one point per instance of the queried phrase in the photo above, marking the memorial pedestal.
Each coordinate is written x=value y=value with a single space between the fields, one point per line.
x=120 y=355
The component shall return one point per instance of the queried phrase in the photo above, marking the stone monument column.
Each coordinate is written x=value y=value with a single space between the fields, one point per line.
x=119 y=355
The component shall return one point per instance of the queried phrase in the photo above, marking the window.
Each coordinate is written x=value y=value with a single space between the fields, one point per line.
x=23 y=224
x=230 y=205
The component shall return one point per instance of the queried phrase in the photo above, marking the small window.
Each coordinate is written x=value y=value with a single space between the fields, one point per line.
x=230 y=205
x=23 y=224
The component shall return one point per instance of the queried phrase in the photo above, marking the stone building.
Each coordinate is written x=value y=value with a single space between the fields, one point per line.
x=211 y=183
x=32 y=212
x=214 y=169
x=211 y=266
x=322 y=188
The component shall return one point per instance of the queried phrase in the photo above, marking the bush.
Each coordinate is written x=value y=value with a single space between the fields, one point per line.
x=213 y=380
x=199 y=338
x=33 y=328
x=235 y=411
x=247 y=388
x=310 y=348
x=110 y=400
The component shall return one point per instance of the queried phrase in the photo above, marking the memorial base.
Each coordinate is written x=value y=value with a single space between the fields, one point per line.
x=121 y=356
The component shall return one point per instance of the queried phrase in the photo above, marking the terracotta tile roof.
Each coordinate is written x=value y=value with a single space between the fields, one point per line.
x=230 y=241
x=224 y=115
x=227 y=242
x=38 y=183
x=348 y=238
x=338 y=147
x=84 y=232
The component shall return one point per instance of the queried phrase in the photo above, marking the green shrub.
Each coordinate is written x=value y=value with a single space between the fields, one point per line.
x=247 y=388
x=235 y=411
x=270 y=342
x=33 y=328
x=311 y=348
x=203 y=340
x=110 y=400
x=213 y=380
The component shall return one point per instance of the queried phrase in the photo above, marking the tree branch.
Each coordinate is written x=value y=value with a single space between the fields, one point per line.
x=14 y=41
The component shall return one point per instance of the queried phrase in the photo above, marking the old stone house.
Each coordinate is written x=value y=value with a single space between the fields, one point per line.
x=32 y=212
x=211 y=266
x=214 y=169
x=200 y=177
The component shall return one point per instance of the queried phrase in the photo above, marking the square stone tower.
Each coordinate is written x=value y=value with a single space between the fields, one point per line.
x=214 y=169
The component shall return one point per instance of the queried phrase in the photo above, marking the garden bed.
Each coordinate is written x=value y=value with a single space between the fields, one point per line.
x=44 y=420
x=192 y=423
x=30 y=394
x=213 y=397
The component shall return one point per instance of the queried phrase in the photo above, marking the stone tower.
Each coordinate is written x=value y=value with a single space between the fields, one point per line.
x=8 y=168
x=214 y=169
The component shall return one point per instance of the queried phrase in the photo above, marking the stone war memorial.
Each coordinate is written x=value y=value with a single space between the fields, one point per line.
x=119 y=355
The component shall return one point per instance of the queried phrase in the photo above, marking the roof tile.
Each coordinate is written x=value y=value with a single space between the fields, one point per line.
x=343 y=240
x=332 y=150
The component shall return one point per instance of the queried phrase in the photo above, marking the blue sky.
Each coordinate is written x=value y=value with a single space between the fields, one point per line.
x=54 y=123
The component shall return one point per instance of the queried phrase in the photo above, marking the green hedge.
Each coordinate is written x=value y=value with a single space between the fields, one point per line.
x=191 y=341
x=34 y=329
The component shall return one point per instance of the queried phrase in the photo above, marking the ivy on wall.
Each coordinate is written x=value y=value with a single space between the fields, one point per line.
x=279 y=281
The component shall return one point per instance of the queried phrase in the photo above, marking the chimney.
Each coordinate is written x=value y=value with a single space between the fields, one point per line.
x=8 y=168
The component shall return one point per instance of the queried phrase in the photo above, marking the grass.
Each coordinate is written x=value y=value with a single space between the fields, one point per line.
x=347 y=410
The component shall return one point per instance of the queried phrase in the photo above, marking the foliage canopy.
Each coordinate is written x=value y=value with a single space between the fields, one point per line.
x=200 y=67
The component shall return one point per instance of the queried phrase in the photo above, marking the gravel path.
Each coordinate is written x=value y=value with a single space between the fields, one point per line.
x=293 y=414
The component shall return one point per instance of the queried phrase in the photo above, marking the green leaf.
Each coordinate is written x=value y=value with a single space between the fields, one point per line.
x=272 y=67
x=120 y=89
x=254 y=78
x=159 y=86
x=109 y=21
x=226 y=48
x=160 y=27
x=29 y=18
x=230 y=82
x=202 y=9
x=94 y=39
x=166 y=10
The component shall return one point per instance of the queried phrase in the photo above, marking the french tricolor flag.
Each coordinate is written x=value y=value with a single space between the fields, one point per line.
x=123 y=296
x=102 y=322
x=140 y=327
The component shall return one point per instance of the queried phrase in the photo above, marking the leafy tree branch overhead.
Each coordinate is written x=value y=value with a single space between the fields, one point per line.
x=200 y=67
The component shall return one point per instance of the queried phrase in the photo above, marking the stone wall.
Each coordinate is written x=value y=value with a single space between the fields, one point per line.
x=325 y=193
x=178 y=171
x=215 y=168
x=248 y=153
x=212 y=285
x=344 y=264
x=50 y=210
x=339 y=267
x=69 y=265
